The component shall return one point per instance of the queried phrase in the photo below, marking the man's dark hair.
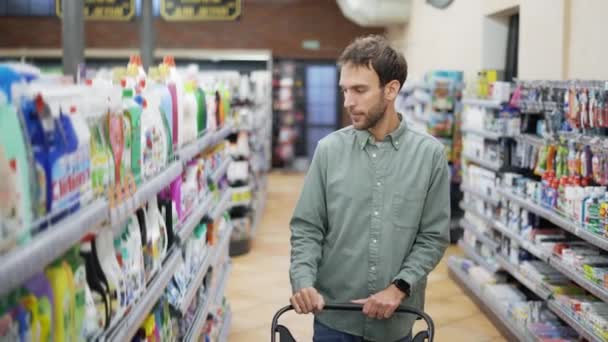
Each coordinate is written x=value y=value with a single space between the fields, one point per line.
x=375 y=51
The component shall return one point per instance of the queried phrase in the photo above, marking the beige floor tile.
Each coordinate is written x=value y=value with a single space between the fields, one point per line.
x=259 y=283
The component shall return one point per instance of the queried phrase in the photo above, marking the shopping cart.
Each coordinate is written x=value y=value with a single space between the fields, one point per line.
x=286 y=336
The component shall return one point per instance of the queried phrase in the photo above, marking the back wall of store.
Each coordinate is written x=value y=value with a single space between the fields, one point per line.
x=263 y=25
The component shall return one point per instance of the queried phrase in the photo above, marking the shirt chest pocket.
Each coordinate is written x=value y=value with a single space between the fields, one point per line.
x=406 y=211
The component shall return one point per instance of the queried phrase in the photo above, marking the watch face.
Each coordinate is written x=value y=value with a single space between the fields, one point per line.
x=439 y=3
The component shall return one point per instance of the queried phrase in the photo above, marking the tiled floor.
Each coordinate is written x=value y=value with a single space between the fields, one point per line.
x=259 y=283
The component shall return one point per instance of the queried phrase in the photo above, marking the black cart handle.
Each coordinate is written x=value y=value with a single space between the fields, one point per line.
x=357 y=307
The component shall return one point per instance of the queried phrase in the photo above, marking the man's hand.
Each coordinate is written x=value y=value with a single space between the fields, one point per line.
x=383 y=304
x=307 y=300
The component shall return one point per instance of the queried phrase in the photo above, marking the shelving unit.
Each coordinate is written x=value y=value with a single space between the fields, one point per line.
x=186 y=229
x=491 y=104
x=225 y=326
x=221 y=171
x=484 y=134
x=505 y=324
x=23 y=262
x=465 y=188
x=470 y=252
x=480 y=236
x=562 y=222
x=213 y=293
x=132 y=321
x=196 y=283
x=573 y=322
x=488 y=165
x=598 y=291
x=538 y=289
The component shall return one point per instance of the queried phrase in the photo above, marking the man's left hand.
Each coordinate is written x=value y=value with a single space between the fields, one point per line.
x=383 y=304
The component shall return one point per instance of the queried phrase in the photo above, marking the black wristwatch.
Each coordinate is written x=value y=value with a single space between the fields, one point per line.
x=403 y=286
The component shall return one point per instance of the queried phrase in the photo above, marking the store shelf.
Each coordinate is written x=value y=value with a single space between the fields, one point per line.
x=21 y=263
x=479 y=260
x=206 y=140
x=573 y=322
x=221 y=207
x=197 y=282
x=146 y=191
x=470 y=209
x=479 y=194
x=580 y=279
x=221 y=288
x=563 y=222
x=186 y=229
x=525 y=244
x=480 y=236
x=227 y=321
x=212 y=293
x=491 y=104
x=488 y=165
x=133 y=320
x=199 y=322
x=221 y=171
x=531 y=139
x=499 y=317
x=483 y=133
x=538 y=289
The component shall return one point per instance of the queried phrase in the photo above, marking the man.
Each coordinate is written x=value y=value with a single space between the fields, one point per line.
x=372 y=219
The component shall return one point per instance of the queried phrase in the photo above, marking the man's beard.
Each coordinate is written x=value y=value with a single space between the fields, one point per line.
x=372 y=117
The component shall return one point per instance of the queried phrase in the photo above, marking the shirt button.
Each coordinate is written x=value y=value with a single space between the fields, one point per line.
x=379 y=183
x=375 y=241
x=396 y=142
x=375 y=213
x=374 y=155
x=373 y=268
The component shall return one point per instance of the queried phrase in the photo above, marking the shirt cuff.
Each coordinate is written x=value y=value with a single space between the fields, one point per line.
x=301 y=283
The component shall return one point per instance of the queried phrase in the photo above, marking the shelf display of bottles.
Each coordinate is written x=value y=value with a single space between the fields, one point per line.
x=544 y=224
x=111 y=190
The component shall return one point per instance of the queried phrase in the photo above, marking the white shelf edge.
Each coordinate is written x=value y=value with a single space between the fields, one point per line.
x=225 y=331
x=477 y=258
x=21 y=263
x=563 y=222
x=203 y=311
x=196 y=283
x=486 y=164
x=479 y=194
x=481 y=237
x=132 y=321
x=483 y=133
x=541 y=292
x=221 y=206
x=186 y=229
x=221 y=289
x=479 y=215
x=493 y=104
x=597 y=291
x=221 y=171
x=464 y=279
x=525 y=244
x=571 y=321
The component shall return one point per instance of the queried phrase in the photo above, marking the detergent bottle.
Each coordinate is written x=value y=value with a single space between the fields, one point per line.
x=60 y=277
x=16 y=212
x=98 y=304
x=40 y=287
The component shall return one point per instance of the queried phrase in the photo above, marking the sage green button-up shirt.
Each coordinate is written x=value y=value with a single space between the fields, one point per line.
x=371 y=212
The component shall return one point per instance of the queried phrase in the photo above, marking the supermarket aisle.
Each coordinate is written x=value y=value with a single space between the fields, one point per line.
x=259 y=283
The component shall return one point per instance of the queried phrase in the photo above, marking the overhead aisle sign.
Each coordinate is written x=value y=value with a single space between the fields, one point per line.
x=200 y=10
x=121 y=10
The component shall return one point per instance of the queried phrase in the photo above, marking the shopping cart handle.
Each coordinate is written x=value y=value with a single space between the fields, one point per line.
x=428 y=334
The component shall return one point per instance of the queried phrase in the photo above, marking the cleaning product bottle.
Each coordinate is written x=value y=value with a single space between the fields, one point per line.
x=176 y=87
x=189 y=114
x=82 y=179
x=16 y=214
x=212 y=123
x=133 y=113
x=30 y=303
x=202 y=110
x=104 y=247
x=58 y=274
x=116 y=137
x=99 y=289
x=77 y=265
x=41 y=288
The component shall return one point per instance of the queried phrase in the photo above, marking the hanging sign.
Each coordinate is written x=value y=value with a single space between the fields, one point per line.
x=200 y=10
x=122 y=10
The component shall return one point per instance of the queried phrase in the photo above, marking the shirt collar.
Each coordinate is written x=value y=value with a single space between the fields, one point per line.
x=365 y=137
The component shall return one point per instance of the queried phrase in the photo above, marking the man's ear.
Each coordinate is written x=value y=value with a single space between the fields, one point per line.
x=392 y=90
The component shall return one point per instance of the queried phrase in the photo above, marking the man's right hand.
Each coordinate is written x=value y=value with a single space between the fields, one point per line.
x=307 y=300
